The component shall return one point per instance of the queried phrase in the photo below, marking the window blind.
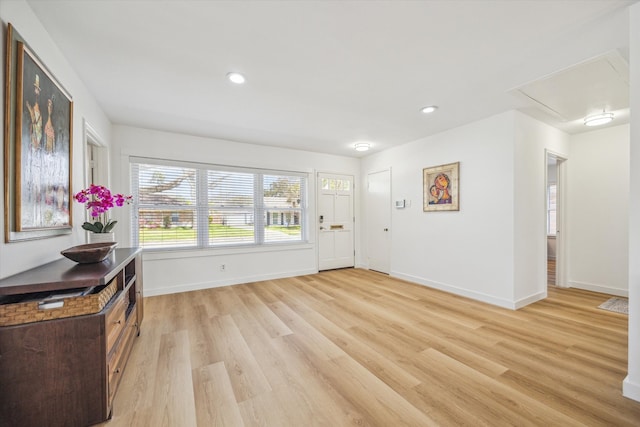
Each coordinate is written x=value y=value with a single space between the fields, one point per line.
x=181 y=205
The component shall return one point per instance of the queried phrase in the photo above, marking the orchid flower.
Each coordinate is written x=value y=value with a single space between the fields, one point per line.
x=98 y=200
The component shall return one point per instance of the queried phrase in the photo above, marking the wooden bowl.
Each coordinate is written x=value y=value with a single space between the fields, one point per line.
x=91 y=253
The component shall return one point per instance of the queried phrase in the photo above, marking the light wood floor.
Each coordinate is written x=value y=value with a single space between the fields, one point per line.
x=551 y=271
x=353 y=347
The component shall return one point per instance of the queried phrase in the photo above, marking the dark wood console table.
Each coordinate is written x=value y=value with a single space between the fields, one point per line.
x=65 y=372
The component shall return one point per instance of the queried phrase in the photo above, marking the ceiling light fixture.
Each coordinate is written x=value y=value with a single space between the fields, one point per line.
x=362 y=146
x=236 y=78
x=598 y=119
x=429 y=109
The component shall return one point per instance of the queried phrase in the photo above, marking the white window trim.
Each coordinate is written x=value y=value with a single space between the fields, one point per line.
x=202 y=209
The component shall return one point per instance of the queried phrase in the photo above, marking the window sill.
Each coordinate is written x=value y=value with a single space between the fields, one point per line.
x=177 y=253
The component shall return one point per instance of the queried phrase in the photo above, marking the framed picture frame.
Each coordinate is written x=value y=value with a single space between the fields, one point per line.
x=441 y=188
x=38 y=147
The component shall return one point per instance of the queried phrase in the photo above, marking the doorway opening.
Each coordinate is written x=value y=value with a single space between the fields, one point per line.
x=96 y=163
x=96 y=158
x=554 y=209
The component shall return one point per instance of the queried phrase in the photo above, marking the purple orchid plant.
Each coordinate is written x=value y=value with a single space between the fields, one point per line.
x=98 y=200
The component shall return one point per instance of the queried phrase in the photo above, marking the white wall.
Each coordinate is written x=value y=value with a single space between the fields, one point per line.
x=20 y=256
x=494 y=248
x=469 y=252
x=176 y=271
x=531 y=139
x=598 y=209
x=631 y=385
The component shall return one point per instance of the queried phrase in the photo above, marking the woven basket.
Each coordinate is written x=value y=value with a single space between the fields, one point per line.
x=28 y=312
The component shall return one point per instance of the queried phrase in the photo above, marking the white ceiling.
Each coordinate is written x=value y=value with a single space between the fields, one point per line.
x=322 y=75
x=593 y=87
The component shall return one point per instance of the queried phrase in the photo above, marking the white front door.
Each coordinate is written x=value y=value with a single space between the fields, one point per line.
x=335 y=221
x=379 y=221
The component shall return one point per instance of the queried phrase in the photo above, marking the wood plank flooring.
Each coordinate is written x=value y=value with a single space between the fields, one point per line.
x=551 y=271
x=354 y=347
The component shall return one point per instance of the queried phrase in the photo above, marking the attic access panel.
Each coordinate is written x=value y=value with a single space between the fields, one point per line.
x=581 y=90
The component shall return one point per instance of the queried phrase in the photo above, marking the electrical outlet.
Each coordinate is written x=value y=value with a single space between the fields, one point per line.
x=223 y=267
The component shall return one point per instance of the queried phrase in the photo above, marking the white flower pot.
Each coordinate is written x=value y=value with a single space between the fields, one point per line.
x=101 y=237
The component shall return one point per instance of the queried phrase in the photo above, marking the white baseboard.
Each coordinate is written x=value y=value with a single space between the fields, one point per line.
x=489 y=299
x=599 y=288
x=186 y=287
x=631 y=389
x=530 y=299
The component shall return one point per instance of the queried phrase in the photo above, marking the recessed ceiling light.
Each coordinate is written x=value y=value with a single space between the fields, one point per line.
x=598 y=119
x=362 y=146
x=236 y=78
x=429 y=109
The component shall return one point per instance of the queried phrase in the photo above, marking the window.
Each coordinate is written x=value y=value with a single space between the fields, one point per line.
x=282 y=204
x=230 y=210
x=336 y=184
x=198 y=206
x=165 y=203
x=551 y=210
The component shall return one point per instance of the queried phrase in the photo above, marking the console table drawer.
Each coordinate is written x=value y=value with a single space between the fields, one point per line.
x=115 y=320
x=118 y=359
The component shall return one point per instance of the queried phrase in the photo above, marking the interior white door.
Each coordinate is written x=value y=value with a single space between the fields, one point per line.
x=335 y=221
x=379 y=221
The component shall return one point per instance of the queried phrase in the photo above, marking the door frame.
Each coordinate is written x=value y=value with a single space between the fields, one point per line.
x=561 y=215
x=96 y=162
x=99 y=162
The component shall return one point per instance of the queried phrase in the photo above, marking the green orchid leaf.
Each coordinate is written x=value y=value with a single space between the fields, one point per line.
x=91 y=227
x=109 y=226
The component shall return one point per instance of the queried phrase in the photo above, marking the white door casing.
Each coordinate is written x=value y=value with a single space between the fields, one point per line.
x=379 y=221
x=561 y=197
x=561 y=240
x=335 y=221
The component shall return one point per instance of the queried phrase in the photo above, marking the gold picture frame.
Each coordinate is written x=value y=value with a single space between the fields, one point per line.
x=37 y=146
x=441 y=188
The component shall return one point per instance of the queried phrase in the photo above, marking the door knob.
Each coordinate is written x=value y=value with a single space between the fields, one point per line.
x=386 y=229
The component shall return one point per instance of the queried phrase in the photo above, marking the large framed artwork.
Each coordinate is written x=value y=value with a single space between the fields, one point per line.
x=441 y=188
x=38 y=147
